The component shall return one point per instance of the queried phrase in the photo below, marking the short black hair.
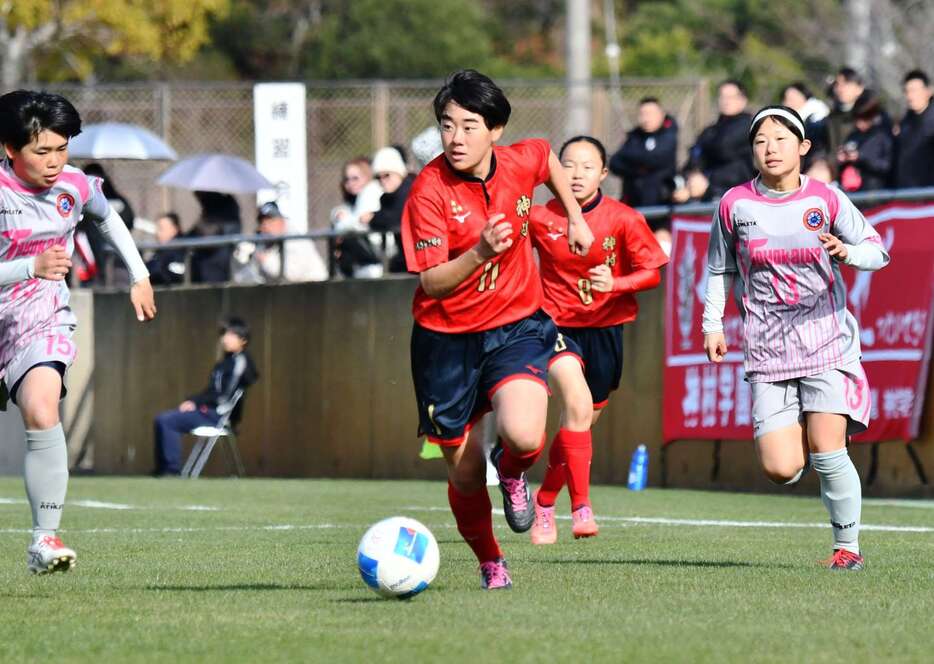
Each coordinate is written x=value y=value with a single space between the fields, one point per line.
x=917 y=75
x=584 y=139
x=236 y=325
x=801 y=87
x=777 y=118
x=649 y=100
x=850 y=75
x=478 y=94
x=24 y=114
x=736 y=82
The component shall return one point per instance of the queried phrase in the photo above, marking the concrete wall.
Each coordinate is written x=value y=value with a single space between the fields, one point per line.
x=335 y=398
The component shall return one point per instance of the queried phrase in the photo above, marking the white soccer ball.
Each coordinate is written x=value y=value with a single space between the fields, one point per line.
x=398 y=557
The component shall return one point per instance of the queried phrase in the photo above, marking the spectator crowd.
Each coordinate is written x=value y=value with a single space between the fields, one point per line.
x=856 y=145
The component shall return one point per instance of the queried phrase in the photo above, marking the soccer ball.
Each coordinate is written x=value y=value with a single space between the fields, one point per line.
x=398 y=557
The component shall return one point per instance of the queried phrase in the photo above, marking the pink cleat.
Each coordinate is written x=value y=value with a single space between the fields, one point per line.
x=544 y=529
x=583 y=522
x=494 y=575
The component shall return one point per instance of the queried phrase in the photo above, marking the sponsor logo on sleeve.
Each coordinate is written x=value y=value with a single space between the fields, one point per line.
x=423 y=244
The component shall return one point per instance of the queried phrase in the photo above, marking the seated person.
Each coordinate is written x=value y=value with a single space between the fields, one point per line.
x=234 y=371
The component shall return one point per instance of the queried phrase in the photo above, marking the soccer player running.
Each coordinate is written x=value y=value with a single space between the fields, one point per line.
x=480 y=340
x=783 y=237
x=590 y=297
x=41 y=201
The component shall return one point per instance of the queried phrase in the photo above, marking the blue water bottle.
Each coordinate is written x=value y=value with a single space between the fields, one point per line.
x=639 y=469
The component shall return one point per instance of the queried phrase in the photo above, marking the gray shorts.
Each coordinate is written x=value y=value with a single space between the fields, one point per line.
x=844 y=391
x=57 y=346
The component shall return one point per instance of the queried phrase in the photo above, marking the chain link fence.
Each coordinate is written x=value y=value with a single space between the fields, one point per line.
x=349 y=119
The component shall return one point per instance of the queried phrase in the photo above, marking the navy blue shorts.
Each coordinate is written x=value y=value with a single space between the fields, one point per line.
x=456 y=375
x=600 y=352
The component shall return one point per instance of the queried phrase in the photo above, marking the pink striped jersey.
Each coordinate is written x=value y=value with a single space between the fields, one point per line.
x=31 y=221
x=789 y=290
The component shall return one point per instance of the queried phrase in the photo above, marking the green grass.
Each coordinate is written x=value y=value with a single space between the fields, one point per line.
x=162 y=583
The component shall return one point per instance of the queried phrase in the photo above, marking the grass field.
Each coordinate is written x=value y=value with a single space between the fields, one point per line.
x=264 y=570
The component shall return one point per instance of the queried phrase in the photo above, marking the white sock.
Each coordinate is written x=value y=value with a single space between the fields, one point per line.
x=842 y=494
x=46 y=477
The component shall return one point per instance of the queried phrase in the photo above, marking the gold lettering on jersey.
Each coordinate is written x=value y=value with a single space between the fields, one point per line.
x=609 y=243
x=610 y=260
x=523 y=205
x=524 y=231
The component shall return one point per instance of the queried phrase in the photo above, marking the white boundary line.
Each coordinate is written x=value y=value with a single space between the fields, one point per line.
x=719 y=523
x=634 y=520
x=97 y=504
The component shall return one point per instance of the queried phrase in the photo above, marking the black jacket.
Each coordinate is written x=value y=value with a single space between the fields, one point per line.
x=646 y=162
x=722 y=152
x=234 y=371
x=914 y=150
x=876 y=148
x=166 y=267
x=389 y=219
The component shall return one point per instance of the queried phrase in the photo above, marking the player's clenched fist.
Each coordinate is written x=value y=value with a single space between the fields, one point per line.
x=53 y=264
x=495 y=238
x=834 y=246
x=715 y=345
x=601 y=278
x=580 y=237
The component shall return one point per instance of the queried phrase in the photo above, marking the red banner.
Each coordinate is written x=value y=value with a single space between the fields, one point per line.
x=894 y=307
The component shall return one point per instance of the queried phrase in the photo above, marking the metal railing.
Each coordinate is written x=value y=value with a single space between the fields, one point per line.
x=190 y=245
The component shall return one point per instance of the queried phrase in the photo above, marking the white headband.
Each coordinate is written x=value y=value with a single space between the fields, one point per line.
x=766 y=112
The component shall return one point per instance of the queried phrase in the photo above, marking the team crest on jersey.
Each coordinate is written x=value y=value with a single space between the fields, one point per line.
x=610 y=260
x=609 y=243
x=65 y=203
x=523 y=205
x=458 y=212
x=814 y=219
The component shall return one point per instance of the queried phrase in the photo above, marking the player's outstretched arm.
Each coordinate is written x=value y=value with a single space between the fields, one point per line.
x=580 y=236
x=442 y=280
x=116 y=233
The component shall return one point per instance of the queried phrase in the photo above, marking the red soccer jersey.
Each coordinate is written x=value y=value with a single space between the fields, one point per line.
x=444 y=216
x=622 y=240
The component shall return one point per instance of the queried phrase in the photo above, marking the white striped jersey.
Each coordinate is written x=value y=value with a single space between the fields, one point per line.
x=790 y=291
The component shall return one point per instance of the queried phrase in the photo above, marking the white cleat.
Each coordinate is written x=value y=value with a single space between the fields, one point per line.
x=49 y=555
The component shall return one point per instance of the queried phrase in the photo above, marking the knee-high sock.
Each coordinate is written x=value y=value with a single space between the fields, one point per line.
x=46 y=477
x=474 y=516
x=554 y=473
x=841 y=492
x=512 y=465
x=578 y=451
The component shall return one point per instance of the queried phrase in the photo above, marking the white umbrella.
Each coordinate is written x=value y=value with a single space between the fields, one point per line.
x=117 y=140
x=222 y=173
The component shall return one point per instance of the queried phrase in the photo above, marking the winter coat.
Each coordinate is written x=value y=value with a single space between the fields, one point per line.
x=646 y=162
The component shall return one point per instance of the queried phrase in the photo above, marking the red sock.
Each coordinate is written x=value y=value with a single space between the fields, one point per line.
x=578 y=451
x=554 y=474
x=512 y=465
x=474 y=515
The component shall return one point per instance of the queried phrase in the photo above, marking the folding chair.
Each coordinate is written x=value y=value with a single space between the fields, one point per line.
x=207 y=436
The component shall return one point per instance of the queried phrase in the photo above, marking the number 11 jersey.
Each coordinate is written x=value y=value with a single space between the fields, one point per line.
x=444 y=216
